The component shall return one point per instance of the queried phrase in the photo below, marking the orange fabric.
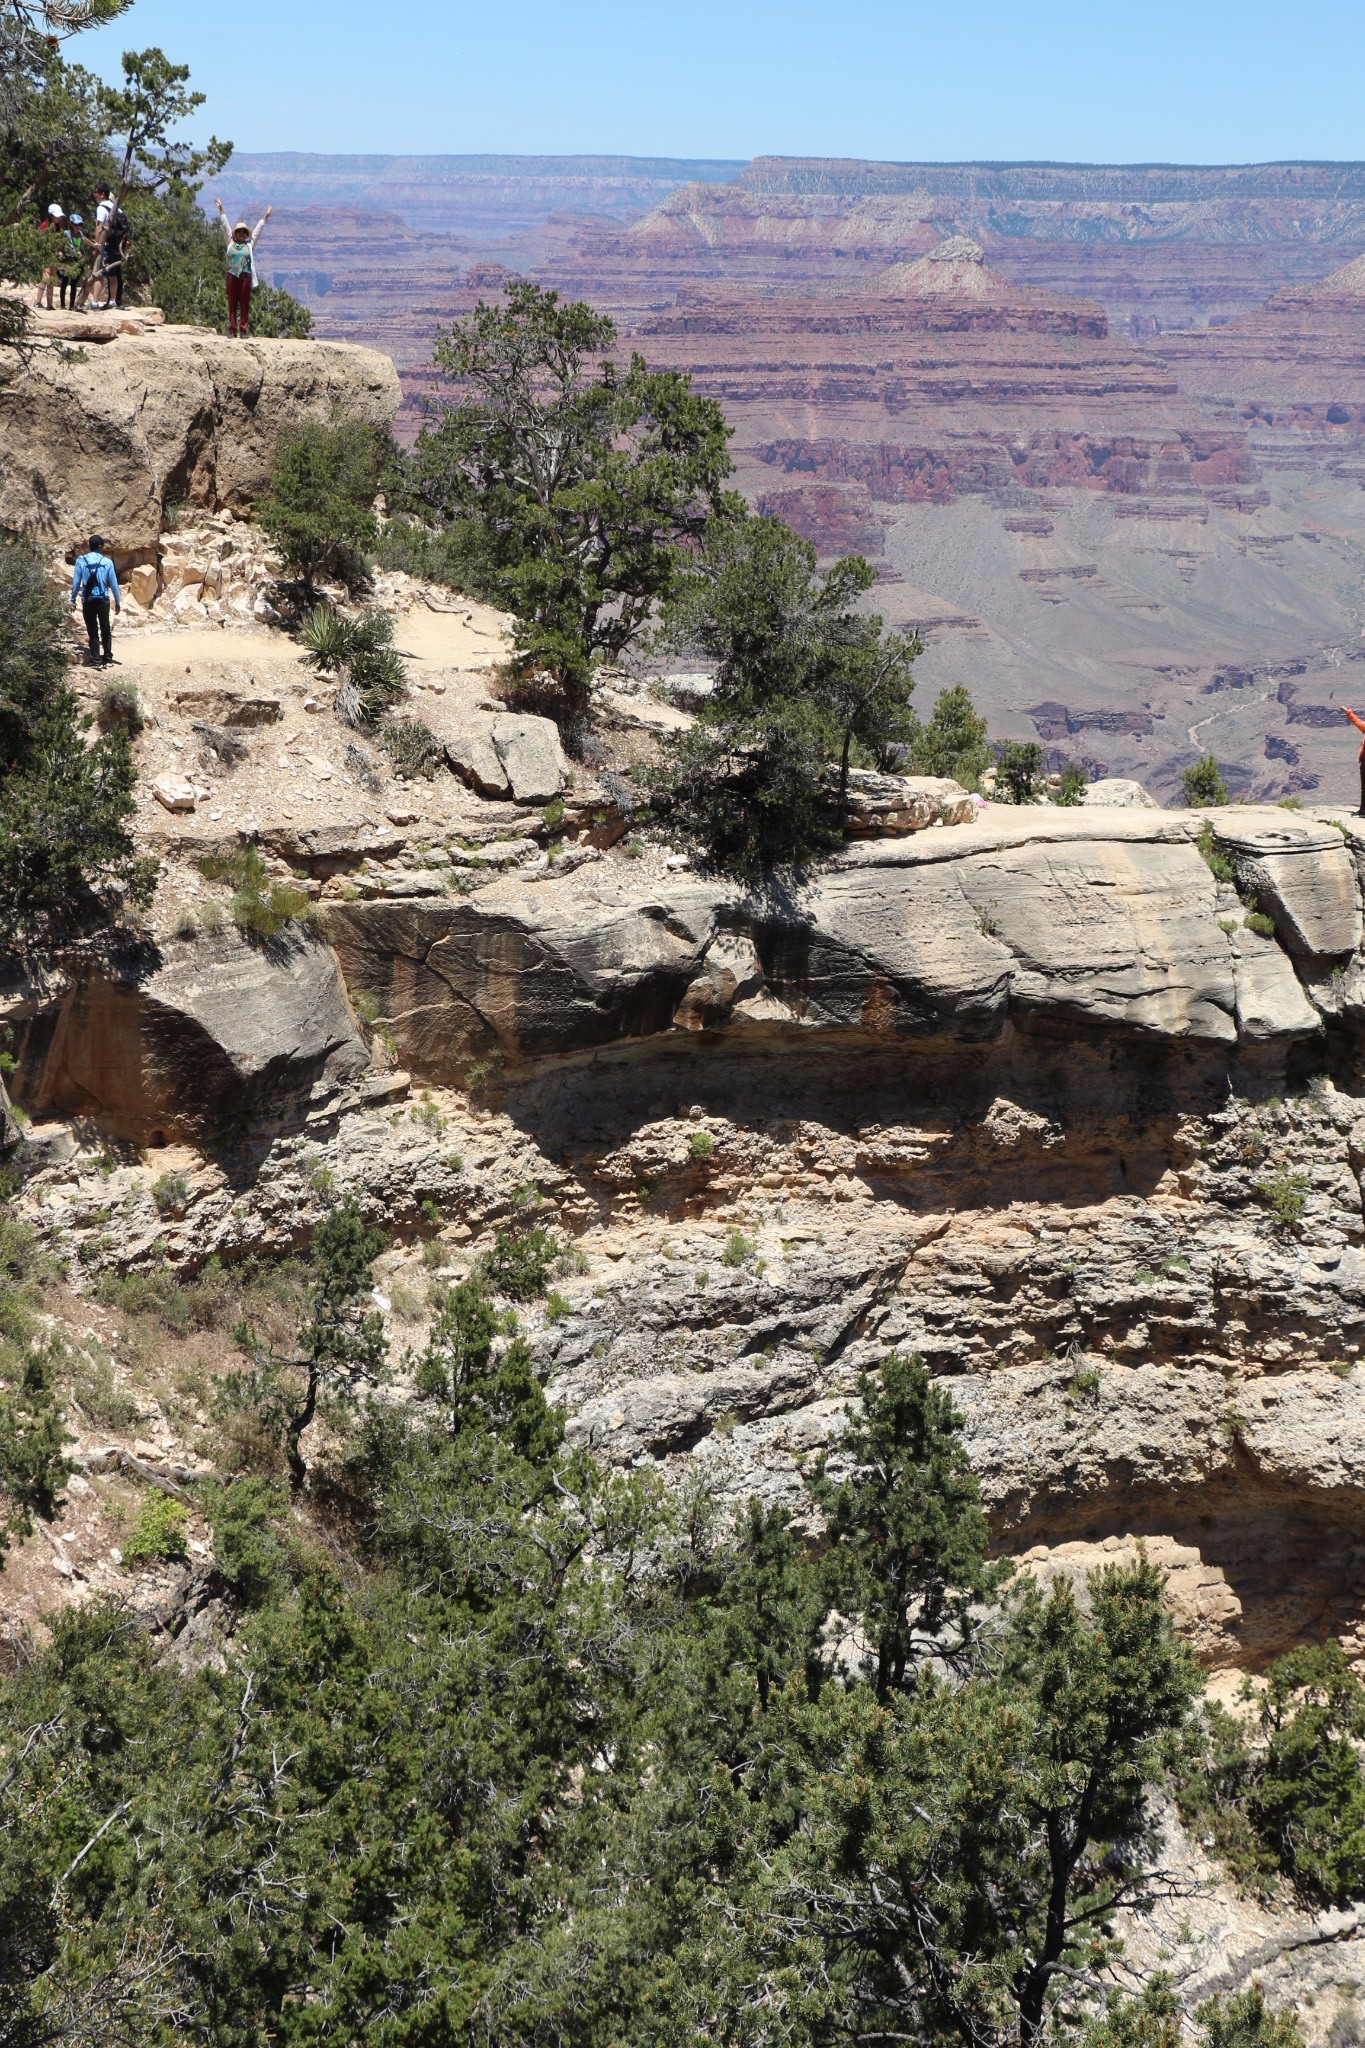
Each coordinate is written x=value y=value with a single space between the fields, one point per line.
x=1359 y=724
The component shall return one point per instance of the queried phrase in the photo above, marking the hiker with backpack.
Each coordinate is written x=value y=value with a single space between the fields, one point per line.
x=94 y=580
x=241 y=268
x=71 y=261
x=113 y=233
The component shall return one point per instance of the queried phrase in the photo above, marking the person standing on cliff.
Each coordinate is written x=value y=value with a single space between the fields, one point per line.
x=71 y=261
x=241 y=268
x=94 y=580
x=54 y=225
x=1359 y=724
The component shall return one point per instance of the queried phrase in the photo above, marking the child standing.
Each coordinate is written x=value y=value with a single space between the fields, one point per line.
x=241 y=268
x=71 y=261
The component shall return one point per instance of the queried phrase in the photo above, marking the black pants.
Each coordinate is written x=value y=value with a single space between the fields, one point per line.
x=96 y=613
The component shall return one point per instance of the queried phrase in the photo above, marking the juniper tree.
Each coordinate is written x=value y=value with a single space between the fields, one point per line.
x=570 y=480
x=802 y=677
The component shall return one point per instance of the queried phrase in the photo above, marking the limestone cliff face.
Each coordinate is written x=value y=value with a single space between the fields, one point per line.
x=1096 y=926
x=155 y=1044
x=102 y=441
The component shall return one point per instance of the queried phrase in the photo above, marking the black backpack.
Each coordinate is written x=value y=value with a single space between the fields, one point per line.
x=120 y=233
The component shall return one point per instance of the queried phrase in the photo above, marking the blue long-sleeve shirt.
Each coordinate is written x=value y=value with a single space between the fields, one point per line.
x=102 y=581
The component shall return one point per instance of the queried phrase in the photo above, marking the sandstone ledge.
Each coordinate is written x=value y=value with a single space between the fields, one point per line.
x=1073 y=924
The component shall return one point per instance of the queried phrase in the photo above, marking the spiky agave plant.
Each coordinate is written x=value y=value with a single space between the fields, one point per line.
x=361 y=653
x=328 y=638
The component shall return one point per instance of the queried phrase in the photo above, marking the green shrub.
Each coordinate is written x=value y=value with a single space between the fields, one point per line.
x=557 y=1306
x=951 y=741
x=120 y=708
x=259 y=905
x=319 y=509
x=703 y=1144
x=1257 y=921
x=1244 y=2020
x=158 y=1532
x=457 y=555
x=98 y=1396
x=170 y=1192
x=1287 y=1797
x=1204 y=784
x=1220 y=865
x=738 y=1248
x=412 y=747
x=1071 y=789
x=361 y=654
x=519 y=1263
x=247 y=1544
x=1285 y=1194
x=1018 y=765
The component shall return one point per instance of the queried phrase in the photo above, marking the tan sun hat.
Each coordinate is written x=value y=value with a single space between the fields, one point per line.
x=242 y=227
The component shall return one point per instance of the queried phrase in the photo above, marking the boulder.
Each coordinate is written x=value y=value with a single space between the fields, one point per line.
x=1119 y=793
x=1270 y=1001
x=46 y=1144
x=99 y=441
x=477 y=761
x=225 y=707
x=327 y=850
x=218 y=1039
x=530 y=752
x=174 y=793
x=508 y=754
x=1301 y=875
x=887 y=806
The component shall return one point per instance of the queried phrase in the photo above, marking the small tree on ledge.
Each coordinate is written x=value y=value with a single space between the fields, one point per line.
x=1204 y=784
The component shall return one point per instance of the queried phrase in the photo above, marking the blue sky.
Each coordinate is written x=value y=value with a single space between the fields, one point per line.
x=1202 y=81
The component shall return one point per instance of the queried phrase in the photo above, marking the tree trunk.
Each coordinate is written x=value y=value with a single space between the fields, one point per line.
x=298 y=1422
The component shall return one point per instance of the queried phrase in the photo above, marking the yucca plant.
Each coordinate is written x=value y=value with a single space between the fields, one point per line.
x=328 y=638
x=361 y=652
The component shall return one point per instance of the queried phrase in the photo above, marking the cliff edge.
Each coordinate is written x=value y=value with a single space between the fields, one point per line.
x=100 y=435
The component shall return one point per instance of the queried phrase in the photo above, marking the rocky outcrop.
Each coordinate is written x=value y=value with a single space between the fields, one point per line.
x=100 y=441
x=1093 y=925
x=223 y=1037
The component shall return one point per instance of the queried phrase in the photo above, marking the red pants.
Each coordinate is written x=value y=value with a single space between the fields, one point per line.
x=239 y=302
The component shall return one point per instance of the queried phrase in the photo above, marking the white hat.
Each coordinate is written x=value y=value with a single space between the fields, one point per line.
x=55 y=212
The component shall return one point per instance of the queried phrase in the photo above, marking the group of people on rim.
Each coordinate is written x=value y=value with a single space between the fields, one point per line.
x=82 y=265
